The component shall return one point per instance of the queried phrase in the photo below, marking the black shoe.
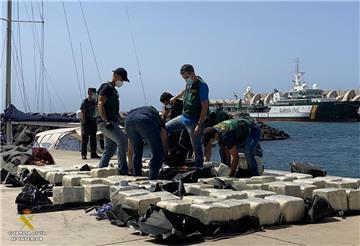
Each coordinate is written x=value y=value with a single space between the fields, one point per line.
x=95 y=156
x=83 y=157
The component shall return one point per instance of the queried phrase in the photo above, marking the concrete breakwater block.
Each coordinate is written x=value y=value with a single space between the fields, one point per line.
x=119 y=197
x=237 y=209
x=141 y=203
x=267 y=211
x=258 y=193
x=88 y=181
x=55 y=177
x=292 y=208
x=104 y=172
x=210 y=212
x=353 y=199
x=318 y=183
x=73 y=180
x=165 y=196
x=286 y=188
x=176 y=206
x=299 y=175
x=336 y=197
x=195 y=188
x=345 y=184
x=264 y=179
x=94 y=192
x=62 y=194
x=307 y=190
x=228 y=194
x=199 y=199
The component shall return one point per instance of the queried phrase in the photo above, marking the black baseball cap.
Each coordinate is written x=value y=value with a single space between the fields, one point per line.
x=122 y=72
x=187 y=68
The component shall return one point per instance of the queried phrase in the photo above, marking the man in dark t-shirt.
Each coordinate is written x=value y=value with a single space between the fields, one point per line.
x=108 y=121
x=145 y=124
x=88 y=124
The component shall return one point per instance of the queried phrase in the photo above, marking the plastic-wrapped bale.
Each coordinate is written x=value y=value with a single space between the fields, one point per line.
x=274 y=173
x=55 y=177
x=62 y=194
x=195 y=188
x=353 y=199
x=237 y=208
x=292 y=208
x=223 y=170
x=264 y=179
x=104 y=172
x=114 y=180
x=307 y=190
x=228 y=180
x=80 y=173
x=285 y=178
x=159 y=181
x=345 y=184
x=207 y=191
x=336 y=197
x=165 y=196
x=73 y=180
x=206 y=180
x=141 y=203
x=114 y=189
x=88 y=181
x=247 y=181
x=21 y=168
x=43 y=170
x=258 y=193
x=267 y=211
x=95 y=192
x=299 y=175
x=318 y=183
x=286 y=188
x=176 y=206
x=134 y=178
x=210 y=212
x=244 y=165
x=199 y=199
x=119 y=197
x=328 y=179
x=228 y=194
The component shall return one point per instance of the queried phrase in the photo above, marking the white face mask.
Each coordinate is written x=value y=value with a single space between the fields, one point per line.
x=214 y=143
x=119 y=83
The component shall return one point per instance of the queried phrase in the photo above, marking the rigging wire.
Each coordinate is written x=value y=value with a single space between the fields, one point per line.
x=3 y=51
x=136 y=54
x=91 y=43
x=82 y=68
x=43 y=56
x=72 y=49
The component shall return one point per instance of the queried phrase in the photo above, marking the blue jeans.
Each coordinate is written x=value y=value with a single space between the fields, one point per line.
x=139 y=129
x=176 y=124
x=114 y=138
x=250 y=148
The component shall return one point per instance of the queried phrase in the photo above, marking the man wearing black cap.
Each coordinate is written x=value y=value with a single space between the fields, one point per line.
x=108 y=106
x=88 y=124
x=195 y=108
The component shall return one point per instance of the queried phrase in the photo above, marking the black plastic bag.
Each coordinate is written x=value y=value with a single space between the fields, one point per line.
x=34 y=178
x=306 y=168
x=30 y=195
x=85 y=168
x=9 y=178
x=193 y=175
x=317 y=209
x=120 y=214
x=219 y=184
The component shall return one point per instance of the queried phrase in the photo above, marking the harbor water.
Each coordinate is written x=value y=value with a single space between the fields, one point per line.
x=333 y=146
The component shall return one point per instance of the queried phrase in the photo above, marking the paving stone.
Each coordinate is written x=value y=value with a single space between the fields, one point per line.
x=318 y=183
x=120 y=196
x=264 y=179
x=210 y=212
x=267 y=211
x=299 y=175
x=142 y=202
x=336 y=197
x=55 y=177
x=286 y=188
x=237 y=209
x=73 y=180
x=62 y=194
x=258 y=193
x=199 y=199
x=292 y=208
x=285 y=178
x=353 y=199
x=176 y=206
x=195 y=188
x=87 y=181
x=228 y=194
x=165 y=196
x=345 y=183
x=94 y=192
x=307 y=190
x=104 y=172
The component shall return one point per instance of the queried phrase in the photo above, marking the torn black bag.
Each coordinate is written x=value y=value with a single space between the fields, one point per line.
x=306 y=168
x=9 y=178
x=120 y=214
x=317 y=209
x=34 y=178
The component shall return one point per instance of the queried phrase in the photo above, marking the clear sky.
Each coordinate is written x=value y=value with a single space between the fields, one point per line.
x=232 y=45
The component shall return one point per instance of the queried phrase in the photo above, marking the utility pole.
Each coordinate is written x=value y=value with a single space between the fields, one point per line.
x=8 y=70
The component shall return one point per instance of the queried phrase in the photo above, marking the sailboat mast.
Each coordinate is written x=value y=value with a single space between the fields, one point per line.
x=8 y=69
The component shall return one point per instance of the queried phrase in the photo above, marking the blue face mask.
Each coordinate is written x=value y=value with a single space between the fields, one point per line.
x=189 y=81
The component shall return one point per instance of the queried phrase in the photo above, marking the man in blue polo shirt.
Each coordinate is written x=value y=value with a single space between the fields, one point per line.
x=196 y=105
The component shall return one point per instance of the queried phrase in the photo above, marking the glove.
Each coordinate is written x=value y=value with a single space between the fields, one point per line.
x=109 y=126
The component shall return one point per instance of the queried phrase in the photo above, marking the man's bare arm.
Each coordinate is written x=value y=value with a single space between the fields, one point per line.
x=101 y=108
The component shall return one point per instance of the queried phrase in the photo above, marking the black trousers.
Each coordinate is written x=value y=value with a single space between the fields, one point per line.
x=88 y=129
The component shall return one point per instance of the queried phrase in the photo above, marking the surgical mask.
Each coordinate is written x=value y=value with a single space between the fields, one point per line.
x=214 y=143
x=119 y=83
x=168 y=106
x=94 y=97
x=189 y=81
